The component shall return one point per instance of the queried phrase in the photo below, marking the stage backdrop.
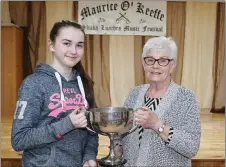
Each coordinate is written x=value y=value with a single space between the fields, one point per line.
x=114 y=61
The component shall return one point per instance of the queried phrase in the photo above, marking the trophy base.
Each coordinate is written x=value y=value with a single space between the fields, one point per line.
x=102 y=164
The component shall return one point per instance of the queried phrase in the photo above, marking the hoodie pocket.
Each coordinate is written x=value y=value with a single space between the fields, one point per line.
x=52 y=157
x=43 y=156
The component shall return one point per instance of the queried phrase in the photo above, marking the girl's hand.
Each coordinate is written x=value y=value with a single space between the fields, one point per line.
x=78 y=119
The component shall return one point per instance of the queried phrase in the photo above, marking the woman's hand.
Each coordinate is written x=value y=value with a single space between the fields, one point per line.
x=90 y=163
x=147 y=119
x=78 y=119
x=86 y=164
x=118 y=149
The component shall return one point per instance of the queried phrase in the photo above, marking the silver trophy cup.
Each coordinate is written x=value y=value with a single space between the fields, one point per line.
x=112 y=122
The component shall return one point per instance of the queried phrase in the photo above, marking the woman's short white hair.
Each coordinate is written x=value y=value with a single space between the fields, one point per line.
x=162 y=44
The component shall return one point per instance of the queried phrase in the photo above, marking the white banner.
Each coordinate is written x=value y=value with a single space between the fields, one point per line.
x=123 y=17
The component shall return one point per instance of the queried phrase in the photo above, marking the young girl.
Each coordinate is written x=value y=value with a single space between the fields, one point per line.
x=46 y=126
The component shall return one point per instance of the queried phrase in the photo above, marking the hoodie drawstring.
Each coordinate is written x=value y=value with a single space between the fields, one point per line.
x=61 y=90
x=81 y=88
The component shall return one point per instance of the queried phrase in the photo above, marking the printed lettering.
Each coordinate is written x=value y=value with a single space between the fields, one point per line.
x=54 y=98
x=55 y=105
x=20 y=109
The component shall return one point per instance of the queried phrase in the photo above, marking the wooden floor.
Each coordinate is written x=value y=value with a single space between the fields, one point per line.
x=211 y=153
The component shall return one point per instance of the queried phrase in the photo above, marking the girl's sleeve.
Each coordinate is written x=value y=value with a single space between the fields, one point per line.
x=25 y=132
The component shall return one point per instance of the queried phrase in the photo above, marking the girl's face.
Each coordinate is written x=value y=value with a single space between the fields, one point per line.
x=68 y=47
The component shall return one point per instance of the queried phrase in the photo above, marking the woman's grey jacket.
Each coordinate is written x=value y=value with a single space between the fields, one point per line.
x=179 y=109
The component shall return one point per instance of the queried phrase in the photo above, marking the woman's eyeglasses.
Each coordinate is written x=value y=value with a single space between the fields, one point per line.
x=162 y=61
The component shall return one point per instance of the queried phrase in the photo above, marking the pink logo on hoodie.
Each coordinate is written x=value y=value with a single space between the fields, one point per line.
x=71 y=101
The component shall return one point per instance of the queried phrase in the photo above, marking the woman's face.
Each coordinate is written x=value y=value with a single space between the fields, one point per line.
x=68 y=47
x=156 y=72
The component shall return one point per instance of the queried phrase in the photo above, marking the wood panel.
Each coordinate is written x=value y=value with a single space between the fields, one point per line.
x=11 y=67
x=208 y=163
x=10 y=163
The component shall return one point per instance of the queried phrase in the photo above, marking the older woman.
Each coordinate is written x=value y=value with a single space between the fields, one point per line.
x=167 y=114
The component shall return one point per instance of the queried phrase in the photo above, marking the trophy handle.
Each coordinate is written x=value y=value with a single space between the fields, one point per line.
x=135 y=126
x=87 y=114
x=133 y=129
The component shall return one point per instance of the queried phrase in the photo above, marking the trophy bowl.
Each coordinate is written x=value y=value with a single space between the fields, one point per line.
x=112 y=122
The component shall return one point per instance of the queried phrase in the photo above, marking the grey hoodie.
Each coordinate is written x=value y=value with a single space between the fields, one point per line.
x=42 y=128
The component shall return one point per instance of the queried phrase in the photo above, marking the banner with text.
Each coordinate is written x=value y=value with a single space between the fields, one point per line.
x=123 y=17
